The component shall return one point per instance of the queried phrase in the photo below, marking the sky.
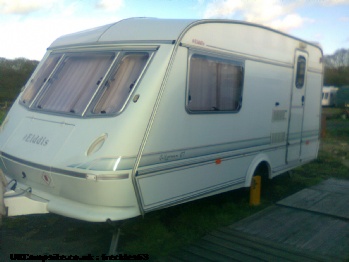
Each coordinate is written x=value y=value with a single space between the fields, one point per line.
x=28 y=27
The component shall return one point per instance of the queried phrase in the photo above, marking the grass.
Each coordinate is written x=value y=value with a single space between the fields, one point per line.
x=2 y=115
x=162 y=232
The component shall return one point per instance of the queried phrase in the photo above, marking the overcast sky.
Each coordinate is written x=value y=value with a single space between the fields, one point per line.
x=28 y=27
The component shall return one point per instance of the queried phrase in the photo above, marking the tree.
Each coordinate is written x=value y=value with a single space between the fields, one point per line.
x=339 y=60
x=337 y=68
x=13 y=76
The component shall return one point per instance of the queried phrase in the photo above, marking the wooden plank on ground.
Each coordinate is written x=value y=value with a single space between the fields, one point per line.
x=330 y=197
x=235 y=251
x=311 y=225
x=204 y=254
x=261 y=248
x=183 y=255
x=316 y=233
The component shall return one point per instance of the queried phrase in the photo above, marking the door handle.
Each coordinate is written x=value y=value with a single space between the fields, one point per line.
x=303 y=100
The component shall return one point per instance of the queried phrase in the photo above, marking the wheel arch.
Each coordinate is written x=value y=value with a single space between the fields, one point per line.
x=260 y=162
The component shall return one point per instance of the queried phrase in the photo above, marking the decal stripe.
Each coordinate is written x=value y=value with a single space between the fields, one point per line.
x=42 y=167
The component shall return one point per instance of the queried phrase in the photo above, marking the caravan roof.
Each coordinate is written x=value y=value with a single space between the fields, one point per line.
x=143 y=30
x=132 y=29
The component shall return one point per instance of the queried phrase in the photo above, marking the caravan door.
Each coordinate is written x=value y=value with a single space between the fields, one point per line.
x=295 y=127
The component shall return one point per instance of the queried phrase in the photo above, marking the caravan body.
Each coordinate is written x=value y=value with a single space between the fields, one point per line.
x=329 y=95
x=147 y=113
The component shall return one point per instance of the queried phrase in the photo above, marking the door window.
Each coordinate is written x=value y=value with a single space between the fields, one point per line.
x=300 y=76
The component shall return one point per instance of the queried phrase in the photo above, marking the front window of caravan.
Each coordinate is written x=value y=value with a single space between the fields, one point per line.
x=86 y=82
x=119 y=86
x=215 y=85
x=74 y=82
x=39 y=79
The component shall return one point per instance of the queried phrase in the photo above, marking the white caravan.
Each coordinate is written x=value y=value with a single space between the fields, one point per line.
x=144 y=113
x=329 y=95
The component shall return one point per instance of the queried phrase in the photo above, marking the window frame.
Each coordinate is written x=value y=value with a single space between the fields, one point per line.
x=91 y=103
x=226 y=59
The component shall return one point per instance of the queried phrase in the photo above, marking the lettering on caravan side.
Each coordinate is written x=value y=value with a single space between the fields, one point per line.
x=36 y=139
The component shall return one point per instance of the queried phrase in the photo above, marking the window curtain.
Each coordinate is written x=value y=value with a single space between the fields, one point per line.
x=75 y=82
x=39 y=79
x=120 y=85
x=202 y=84
x=229 y=87
x=214 y=85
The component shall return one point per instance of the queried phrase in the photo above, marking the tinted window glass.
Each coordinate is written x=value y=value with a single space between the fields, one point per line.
x=300 y=77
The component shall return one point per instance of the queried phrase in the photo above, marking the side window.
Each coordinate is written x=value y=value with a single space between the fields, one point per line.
x=214 y=84
x=300 y=76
